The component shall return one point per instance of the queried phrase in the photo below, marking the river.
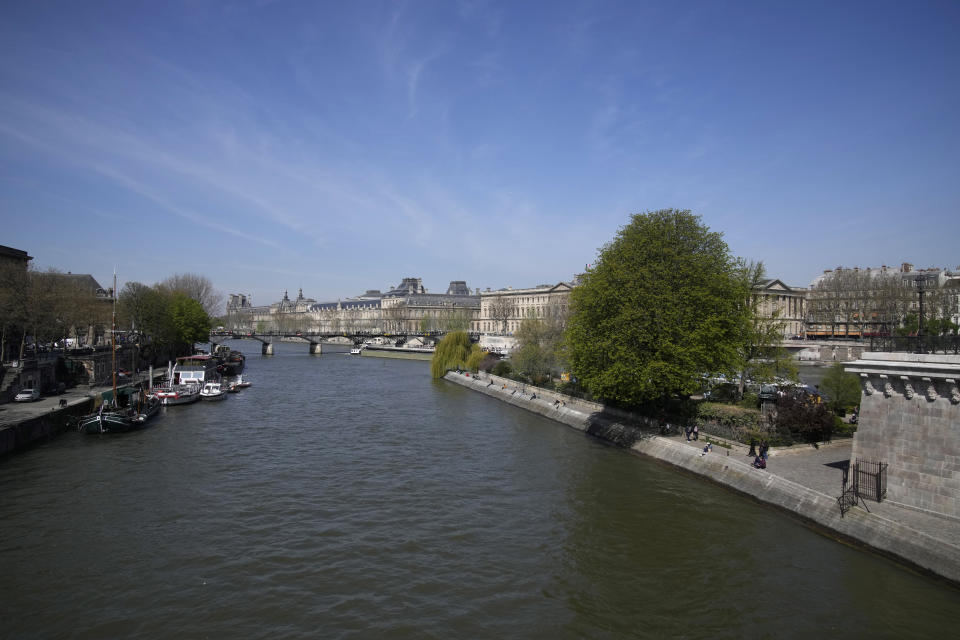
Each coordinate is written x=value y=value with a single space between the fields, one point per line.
x=354 y=497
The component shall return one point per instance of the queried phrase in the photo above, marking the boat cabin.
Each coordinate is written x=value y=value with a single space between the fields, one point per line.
x=195 y=370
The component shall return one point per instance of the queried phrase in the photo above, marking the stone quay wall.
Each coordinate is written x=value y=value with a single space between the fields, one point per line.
x=886 y=536
x=910 y=419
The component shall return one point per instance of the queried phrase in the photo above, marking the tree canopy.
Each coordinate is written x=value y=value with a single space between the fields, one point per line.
x=540 y=351
x=842 y=388
x=452 y=352
x=663 y=306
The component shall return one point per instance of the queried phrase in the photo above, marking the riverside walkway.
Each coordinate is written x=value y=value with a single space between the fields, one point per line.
x=803 y=480
x=820 y=469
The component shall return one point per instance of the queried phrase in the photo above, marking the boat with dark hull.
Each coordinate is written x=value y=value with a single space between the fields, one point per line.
x=230 y=362
x=124 y=410
x=109 y=420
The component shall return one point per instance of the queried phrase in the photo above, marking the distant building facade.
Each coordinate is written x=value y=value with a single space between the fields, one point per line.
x=784 y=303
x=406 y=308
x=504 y=310
x=875 y=301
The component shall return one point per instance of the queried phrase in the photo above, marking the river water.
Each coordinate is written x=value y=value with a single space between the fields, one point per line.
x=348 y=497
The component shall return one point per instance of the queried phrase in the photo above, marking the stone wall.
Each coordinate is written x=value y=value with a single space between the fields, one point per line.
x=886 y=536
x=910 y=419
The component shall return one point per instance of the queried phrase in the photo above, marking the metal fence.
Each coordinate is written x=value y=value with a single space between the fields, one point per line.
x=870 y=479
x=917 y=344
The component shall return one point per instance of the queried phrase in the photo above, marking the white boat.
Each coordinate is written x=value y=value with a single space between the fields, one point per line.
x=178 y=394
x=356 y=351
x=234 y=385
x=213 y=391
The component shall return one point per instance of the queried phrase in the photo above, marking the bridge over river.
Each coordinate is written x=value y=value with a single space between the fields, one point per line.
x=317 y=339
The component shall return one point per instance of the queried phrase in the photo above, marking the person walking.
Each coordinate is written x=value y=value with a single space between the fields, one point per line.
x=696 y=432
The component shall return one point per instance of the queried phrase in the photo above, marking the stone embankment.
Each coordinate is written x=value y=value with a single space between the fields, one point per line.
x=24 y=424
x=926 y=542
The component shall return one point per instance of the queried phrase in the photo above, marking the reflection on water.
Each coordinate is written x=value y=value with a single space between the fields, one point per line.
x=355 y=497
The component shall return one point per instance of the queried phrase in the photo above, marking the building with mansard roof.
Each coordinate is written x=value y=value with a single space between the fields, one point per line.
x=405 y=308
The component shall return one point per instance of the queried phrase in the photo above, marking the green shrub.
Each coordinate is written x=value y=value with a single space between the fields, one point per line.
x=726 y=414
x=804 y=420
x=729 y=421
x=843 y=429
x=502 y=369
x=750 y=401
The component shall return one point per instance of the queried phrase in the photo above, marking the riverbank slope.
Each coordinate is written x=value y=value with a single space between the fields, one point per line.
x=798 y=485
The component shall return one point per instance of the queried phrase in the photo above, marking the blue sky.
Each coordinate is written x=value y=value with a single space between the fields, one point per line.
x=341 y=146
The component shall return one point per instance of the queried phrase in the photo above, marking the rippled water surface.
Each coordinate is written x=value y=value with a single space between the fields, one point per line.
x=346 y=497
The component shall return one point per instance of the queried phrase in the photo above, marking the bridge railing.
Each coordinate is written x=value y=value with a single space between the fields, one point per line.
x=917 y=344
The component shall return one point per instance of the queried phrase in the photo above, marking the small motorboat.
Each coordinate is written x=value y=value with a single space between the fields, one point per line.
x=213 y=391
x=241 y=383
x=356 y=351
x=177 y=394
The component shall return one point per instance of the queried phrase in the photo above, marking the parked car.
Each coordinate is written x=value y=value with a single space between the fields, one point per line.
x=27 y=395
x=769 y=393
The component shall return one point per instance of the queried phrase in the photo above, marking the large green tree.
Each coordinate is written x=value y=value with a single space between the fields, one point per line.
x=663 y=305
x=191 y=322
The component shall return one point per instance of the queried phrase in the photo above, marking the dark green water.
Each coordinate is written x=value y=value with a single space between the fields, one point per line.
x=347 y=497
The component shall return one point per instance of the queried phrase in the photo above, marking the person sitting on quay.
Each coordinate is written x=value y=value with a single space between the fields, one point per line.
x=760 y=463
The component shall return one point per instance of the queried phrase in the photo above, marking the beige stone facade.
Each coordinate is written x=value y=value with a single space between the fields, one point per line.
x=786 y=304
x=406 y=308
x=502 y=311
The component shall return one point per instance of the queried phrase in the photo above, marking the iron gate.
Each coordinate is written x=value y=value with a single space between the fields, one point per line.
x=870 y=479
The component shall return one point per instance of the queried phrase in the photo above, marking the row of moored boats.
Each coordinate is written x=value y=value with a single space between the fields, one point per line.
x=199 y=377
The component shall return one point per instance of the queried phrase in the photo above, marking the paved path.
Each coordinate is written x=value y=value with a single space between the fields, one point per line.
x=821 y=470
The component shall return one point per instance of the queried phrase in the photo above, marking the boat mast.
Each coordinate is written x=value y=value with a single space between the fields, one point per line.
x=113 y=341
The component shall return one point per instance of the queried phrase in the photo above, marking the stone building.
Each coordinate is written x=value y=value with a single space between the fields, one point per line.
x=875 y=301
x=353 y=315
x=406 y=308
x=409 y=308
x=787 y=304
x=502 y=311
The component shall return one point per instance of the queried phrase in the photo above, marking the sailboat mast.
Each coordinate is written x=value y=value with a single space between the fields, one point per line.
x=113 y=342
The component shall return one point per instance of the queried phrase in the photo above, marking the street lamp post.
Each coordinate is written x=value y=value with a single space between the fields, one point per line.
x=921 y=283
